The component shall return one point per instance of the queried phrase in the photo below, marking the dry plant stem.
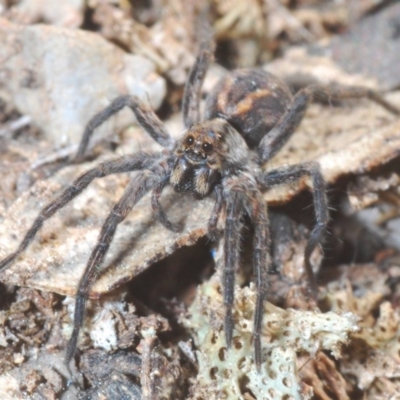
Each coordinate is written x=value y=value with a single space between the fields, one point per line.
x=148 y=390
x=13 y=126
x=56 y=156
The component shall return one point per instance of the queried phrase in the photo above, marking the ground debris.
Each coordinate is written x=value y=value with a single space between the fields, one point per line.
x=372 y=357
x=161 y=335
x=321 y=374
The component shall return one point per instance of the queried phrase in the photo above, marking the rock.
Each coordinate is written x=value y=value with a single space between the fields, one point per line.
x=68 y=13
x=62 y=77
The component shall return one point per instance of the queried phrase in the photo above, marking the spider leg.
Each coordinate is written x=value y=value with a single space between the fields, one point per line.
x=290 y=120
x=145 y=117
x=216 y=211
x=261 y=251
x=123 y=164
x=192 y=93
x=137 y=188
x=233 y=228
x=291 y=174
x=155 y=204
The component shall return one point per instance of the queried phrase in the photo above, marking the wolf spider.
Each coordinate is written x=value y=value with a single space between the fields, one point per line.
x=249 y=116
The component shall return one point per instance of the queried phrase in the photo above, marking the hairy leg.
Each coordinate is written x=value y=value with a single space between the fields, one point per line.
x=156 y=206
x=290 y=120
x=216 y=211
x=261 y=252
x=232 y=244
x=123 y=164
x=144 y=115
x=290 y=174
x=192 y=94
x=137 y=188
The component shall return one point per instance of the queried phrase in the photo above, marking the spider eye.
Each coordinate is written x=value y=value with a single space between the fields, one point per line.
x=190 y=140
x=207 y=147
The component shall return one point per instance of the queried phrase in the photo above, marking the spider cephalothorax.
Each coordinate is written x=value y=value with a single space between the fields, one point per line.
x=207 y=152
x=249 y=116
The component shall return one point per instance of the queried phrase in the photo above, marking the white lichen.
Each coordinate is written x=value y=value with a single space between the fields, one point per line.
x=102 y=326
x=231 y=373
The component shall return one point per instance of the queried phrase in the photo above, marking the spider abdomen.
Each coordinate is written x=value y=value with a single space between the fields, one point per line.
x=251 y=100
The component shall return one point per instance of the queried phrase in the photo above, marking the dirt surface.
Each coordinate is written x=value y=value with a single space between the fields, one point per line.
x=140 y=338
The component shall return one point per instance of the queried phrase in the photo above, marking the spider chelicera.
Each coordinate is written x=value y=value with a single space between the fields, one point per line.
x=249 y=116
